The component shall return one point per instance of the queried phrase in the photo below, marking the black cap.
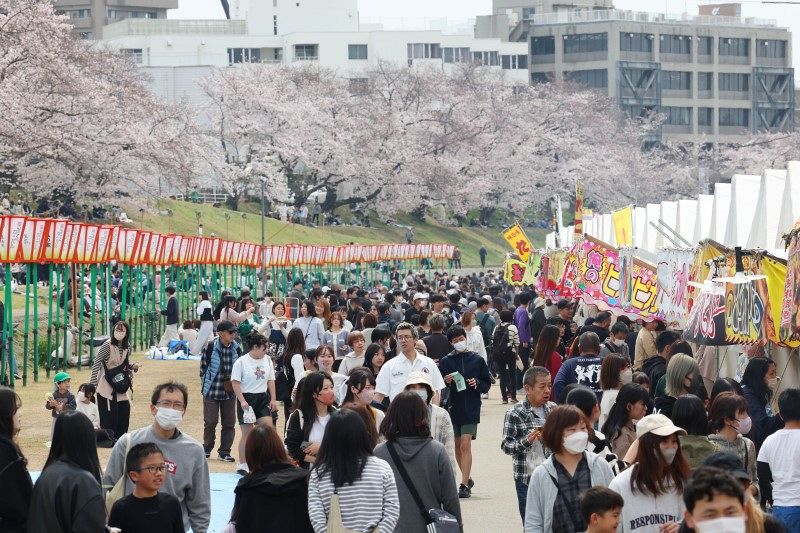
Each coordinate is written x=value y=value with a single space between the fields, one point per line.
x=563 y=303
x=728 y=462
x=226 y=325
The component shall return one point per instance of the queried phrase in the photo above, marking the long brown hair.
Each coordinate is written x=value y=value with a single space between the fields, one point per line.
x=651 y=474
x=264 y=447
x=546 y=345
x=613 y=364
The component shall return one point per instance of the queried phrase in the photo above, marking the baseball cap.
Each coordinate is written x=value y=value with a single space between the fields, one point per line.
x=419 y=296
x=419 y=378
x=728 y=462
x=61 y=376
x=226 y=325
x=657 y=424
x=563 y=303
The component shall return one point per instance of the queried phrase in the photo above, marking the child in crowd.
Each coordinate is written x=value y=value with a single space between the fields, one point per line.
x=86 y=404
x=601 y=509
x=147 y=509
x=61 y=399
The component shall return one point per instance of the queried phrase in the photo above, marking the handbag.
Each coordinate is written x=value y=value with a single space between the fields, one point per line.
x=520 y=366
x=437 y=520
x=335 y=524
x=118 y=377
x=117 y=492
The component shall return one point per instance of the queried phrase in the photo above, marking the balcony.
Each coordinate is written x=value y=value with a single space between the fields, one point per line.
x=771 y=62
x=676 y=93
x=675 y=58
x=306 y=58
x=627 y=55
x=705 y=94
x=586 y=56
x=543 y=59
x=734 y=60
x=705 y=59
x=734 y=95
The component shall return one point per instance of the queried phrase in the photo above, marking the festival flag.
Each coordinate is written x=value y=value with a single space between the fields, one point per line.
x=579 y=191
x=623 y=226
x=519 y=242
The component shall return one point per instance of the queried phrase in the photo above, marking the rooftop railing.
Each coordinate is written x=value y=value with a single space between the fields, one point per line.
x=174 y=27
x=572 y=17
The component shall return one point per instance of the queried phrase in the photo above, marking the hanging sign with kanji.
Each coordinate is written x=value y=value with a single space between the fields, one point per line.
x=519 y=242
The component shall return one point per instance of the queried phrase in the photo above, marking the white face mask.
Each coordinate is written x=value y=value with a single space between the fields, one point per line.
x=725 y=524
x=576 y=443
x=745 y=425
x=168 y=418
x=422 y=393
x=119 y=335
x=367 y=395
x=460 y=346
x=669 y=454
x=619 y=342
x=626 y=376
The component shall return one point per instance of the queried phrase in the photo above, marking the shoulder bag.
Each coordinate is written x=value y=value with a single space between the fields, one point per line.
x=437 y=520
x=335 y=524
x=117 y=492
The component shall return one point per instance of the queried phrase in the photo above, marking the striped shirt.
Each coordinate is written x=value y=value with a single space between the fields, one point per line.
x=370 y=502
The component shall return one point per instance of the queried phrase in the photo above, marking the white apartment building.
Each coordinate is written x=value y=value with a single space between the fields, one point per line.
x=175 y=53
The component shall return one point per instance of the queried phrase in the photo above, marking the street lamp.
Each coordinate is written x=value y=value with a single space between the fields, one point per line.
x=244 y=227
x=263 y=238
x=227 y=218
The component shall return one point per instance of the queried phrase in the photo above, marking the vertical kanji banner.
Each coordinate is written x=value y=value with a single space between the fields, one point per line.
x=579 y=192
x=519 y=242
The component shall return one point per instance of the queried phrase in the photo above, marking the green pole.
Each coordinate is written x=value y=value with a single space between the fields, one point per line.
x=35 y=271
x=59 y=277
x=92 y=329
x=50 y=285
x=65 y=355
x=79 y=310
x=27 y=324
x=124 y=303
x=8 y=328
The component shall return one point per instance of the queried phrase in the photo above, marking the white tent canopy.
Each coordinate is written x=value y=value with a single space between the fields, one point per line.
x=719 y=217
x=764 y=230
x=744 y=191
x=705 y=211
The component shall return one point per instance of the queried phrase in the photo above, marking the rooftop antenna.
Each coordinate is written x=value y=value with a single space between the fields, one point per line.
x=226 y=8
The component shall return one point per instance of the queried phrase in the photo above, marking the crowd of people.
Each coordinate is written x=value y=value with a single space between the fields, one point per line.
x=610 y=426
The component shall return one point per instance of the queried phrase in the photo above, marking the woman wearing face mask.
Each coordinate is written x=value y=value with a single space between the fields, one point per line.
x=653 y=486
x=325 y=361
x=759 y=383
x=615 y=371
x=306 y=425
x=360 y=391
x=111 y=362
x=421 y=384
x=629 y=407
x=729 y=421
x=545 y=354
x=682 y=370
x=553 y=502
x=14 y=476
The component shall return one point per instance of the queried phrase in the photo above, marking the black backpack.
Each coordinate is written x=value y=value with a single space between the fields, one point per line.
x=284 y=383
x=119 y=377
x=501 y=351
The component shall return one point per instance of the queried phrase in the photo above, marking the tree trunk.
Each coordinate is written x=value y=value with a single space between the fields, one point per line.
x=486 y=214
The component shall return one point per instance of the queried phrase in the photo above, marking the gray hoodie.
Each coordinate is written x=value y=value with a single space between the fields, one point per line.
x=186 y=477
x=428 y=465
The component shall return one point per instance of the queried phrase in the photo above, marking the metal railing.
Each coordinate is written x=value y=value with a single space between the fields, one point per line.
x=174 y=27
x=572 y=17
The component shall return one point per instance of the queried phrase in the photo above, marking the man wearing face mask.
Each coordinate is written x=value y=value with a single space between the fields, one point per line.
x=615 y=343
x=465 y=399
x=715 y=502
x=186 y=476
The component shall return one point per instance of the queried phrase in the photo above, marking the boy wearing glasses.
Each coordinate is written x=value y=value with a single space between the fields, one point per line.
x=147 y=509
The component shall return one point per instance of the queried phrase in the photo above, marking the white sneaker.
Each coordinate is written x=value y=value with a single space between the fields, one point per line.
x=485 y=396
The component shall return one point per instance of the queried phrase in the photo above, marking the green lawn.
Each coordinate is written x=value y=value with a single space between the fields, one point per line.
x=184 y=221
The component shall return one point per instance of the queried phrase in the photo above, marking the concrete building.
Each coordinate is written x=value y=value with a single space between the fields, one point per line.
x=177 y=52
x=508 y=16
x=89 y=16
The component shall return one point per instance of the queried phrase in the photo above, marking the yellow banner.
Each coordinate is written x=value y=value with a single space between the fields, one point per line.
x=623 y=226
x=579 y=191
x=519 y=273
x=776 y=277
x=519 y=242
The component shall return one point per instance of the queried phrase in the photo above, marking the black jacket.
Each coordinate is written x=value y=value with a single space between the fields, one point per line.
x=536 y=323
x=465 y=406
x=655 y=367
x=17 y=488
x=275 y=499
x=171 y=311
x=664 y=405
x=66 y=499
x=297 y=432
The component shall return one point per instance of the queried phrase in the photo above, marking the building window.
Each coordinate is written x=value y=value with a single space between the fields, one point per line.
x=424 y=51
x=457 y=55
x=734 y=82
x=595 y=79
x=585 y=42
x=306 y=52
x=541 y=77
x=244 y=55
x=635 y=42
x=357 y=51
x=705 y=45
x=79 y=13
x=770 y=48
x=133 y=53
x=675 y=44
x=734 y=46
x=678 y=116
x=543 y=46
x=705 y=116
x=86 y=35
x=528 y=13
x=674 y=80
x=143 y=14
x=489 y=59
x=736 y=117
x=515 y=62
x=705 y=81
x=274 y=24
x=358 y=85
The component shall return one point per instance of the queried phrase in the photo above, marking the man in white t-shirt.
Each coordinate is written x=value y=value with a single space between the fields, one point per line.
x=253 y=381
x=779 y=461
x=393 y=376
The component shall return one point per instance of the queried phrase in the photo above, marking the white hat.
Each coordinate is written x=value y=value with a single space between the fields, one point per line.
x=420 y=378
x=325 y=288
x=453 y=284
x=452 y=291
x=657 y=424
x=473 y=305
x=538 y=302
x=419 y=296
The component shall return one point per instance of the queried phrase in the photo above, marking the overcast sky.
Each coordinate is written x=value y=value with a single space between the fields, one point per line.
x=788 y=15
